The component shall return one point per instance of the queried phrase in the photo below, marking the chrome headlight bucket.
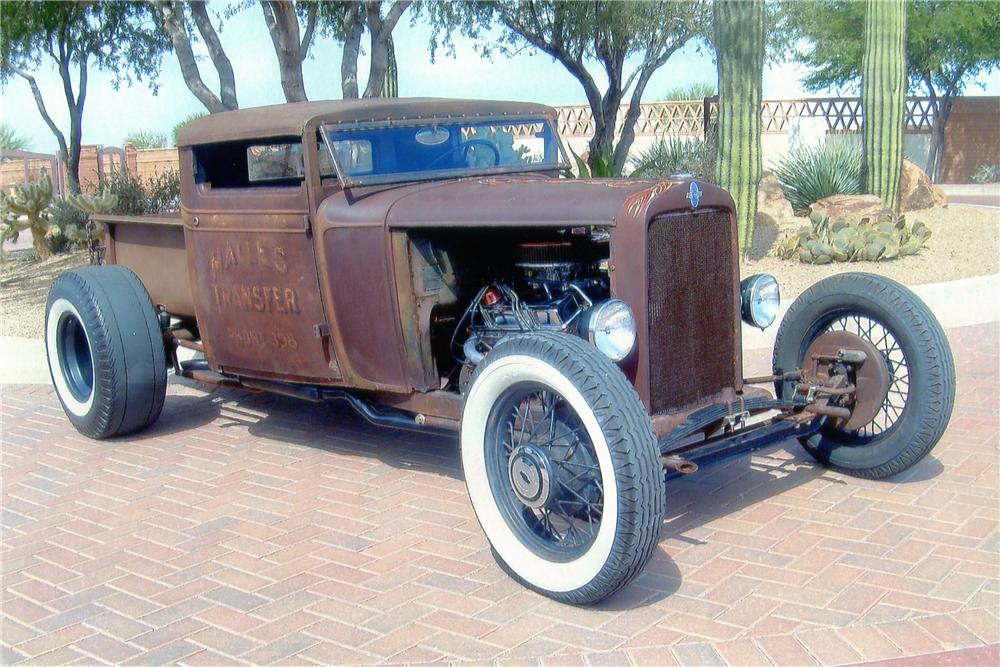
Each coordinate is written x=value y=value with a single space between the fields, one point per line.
x=610 y=327
x=760 y=298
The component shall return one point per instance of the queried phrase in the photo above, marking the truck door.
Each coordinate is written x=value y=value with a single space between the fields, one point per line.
x=252 y=264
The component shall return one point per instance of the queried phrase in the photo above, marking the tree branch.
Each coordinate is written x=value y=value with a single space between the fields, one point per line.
x=40 y=103
x=650 y=65
x=175 y=25
x=393 y=15
x=227 y=80
x=312 y=10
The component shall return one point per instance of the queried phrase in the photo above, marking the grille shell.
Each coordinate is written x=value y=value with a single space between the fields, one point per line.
x=693 y=312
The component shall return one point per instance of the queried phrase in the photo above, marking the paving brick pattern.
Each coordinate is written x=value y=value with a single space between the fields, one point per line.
x=247 y=528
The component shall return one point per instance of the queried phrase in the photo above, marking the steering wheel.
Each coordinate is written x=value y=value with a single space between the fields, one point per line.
x=464 y=147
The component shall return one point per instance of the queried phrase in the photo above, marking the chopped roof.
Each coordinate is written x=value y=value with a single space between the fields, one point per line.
x=292 y=118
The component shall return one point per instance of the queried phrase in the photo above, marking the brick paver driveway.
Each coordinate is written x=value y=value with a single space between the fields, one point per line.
x=250 y=528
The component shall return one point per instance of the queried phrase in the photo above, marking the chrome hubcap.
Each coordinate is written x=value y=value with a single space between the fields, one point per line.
x=530 y=476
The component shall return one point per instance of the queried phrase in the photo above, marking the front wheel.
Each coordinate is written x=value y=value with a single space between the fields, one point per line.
x=562 y=467
x=910 y=372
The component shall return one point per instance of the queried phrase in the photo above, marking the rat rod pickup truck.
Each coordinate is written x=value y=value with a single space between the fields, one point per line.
x=433 y=263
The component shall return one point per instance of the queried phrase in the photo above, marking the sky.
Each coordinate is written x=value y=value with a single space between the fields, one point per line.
x=110 y=114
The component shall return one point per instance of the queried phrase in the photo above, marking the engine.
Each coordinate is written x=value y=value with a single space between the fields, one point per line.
x=552 y=287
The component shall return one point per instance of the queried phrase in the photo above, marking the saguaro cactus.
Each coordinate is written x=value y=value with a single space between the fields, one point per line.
x=739 y=44
x=883 y=96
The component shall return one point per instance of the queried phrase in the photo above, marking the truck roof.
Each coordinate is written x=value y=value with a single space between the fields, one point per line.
x=291 y=119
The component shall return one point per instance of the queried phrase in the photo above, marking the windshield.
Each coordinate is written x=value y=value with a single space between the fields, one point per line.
x=400 y=151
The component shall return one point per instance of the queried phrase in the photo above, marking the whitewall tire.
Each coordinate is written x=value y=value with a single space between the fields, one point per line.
x=105 y=351
x=561 y=466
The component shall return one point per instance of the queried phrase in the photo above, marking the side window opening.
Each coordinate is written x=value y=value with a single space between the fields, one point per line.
x=273 y=162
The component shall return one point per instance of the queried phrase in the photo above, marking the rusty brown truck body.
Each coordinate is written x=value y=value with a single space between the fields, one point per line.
x=433 y=263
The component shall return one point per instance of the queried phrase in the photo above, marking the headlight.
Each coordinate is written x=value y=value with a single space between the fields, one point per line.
x=611 y=328
x=761 y=298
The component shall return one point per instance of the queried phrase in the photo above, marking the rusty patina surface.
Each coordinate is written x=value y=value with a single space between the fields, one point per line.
x=292 y=120
x=305 y=283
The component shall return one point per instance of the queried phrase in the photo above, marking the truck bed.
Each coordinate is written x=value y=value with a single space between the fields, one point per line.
x=153 y=247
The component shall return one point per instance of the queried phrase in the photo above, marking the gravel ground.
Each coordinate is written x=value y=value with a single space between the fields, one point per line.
x=24 y=287
x=966 y=243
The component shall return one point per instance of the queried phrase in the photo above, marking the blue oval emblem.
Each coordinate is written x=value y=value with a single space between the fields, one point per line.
x=694 y=194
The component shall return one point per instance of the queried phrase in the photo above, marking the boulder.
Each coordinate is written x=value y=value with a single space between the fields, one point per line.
x=851 y=207
x=916 y=191
x=771 y=201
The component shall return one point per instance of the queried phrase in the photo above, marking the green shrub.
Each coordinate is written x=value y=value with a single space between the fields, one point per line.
x=824 y=241
x=811 y=173
x=158 y=194
x=12 y=140
x=674 y=155
x=183 y=122
x=164 y=192
x=693 y=91
x=988 y=173
x=146 y=139
x=71 y=223
x=603 y=167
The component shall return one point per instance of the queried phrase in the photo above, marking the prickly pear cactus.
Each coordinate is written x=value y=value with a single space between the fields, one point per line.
x=825 y=241
x=25 y=207
x=883 y=96
x=739 y=41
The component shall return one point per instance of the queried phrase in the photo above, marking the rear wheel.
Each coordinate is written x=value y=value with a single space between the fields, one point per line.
x=914 y=402
x=562 y=467
x=105 y=351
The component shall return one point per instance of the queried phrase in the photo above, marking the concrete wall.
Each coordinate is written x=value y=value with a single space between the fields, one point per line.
x=971 y=135
x=972 y=138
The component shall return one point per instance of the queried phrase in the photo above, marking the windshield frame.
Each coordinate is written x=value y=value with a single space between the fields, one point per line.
x=442 y=174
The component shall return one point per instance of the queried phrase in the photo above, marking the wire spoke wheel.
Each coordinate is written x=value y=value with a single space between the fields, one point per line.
x=886 y=342
x=902 y=404
x=546 y=478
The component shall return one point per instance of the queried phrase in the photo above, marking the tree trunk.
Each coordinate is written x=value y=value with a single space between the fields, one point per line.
x=883 y=97
x=353 y=27
x=380 y=29
x=390 y=86
x=739 y=43
x=283 y=26
x=935 y=155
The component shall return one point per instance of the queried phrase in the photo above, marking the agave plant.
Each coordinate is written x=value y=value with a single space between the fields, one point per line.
x=824 y=241
x=675 y=155
x=603 y=167
x=810 y=173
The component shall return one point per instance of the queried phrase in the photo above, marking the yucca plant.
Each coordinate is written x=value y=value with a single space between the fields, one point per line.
x=810 y=173
x=676 y=155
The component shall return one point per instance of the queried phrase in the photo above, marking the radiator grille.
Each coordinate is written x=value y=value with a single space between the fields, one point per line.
x=692 y=336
